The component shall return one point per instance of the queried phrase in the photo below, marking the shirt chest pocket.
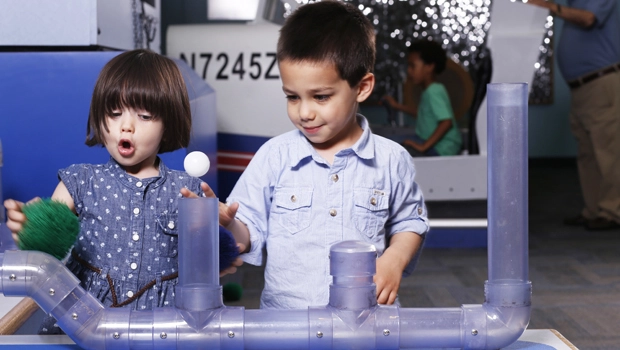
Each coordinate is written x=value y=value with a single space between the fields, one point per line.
x=292 y=208
x=167 y=239
x=371 y=211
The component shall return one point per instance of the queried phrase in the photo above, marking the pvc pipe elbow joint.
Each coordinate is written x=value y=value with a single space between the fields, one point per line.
x=37 y=275
x=501 y=320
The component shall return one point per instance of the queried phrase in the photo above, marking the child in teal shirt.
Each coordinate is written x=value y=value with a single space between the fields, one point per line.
x=437 y=133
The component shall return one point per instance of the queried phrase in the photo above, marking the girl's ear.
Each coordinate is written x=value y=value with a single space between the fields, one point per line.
x=365 y=86
x=430 y=67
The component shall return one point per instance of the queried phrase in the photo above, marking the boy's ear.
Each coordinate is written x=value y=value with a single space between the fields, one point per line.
x=365 y=86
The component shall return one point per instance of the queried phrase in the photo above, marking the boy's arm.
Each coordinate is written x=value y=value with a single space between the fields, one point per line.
x=390 y=266
x=442 y=128
x=238 y=229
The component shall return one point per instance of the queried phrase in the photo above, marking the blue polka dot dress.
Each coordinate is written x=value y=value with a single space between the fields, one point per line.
x=126 y=251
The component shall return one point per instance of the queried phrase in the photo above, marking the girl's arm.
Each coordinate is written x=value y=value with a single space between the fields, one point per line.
x=61 y=194
x=442 y=128
x=412 y=110
x=16 y=218
x=390 y=266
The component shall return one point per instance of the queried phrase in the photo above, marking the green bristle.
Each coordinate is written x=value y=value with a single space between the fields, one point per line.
x=232 y=291
x=50 y=227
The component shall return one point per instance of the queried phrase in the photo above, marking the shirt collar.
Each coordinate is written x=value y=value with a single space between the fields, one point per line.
x=363 y=148
x=116 y=171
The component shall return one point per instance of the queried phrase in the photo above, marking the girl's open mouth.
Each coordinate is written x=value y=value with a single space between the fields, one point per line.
x=125 y=148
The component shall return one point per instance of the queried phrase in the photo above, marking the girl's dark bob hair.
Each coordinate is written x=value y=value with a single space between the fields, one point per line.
x=142 y=79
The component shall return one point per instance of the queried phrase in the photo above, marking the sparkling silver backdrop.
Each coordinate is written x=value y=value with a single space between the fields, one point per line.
x=460 y=25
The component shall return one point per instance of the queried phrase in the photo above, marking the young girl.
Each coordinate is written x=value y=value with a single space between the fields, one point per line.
x=126 y=251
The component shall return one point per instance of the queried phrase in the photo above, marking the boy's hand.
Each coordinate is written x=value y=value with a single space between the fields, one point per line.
x=390 y=266
x=15 y=218
x=387 y=279
x=238 y=262
x=226 y=213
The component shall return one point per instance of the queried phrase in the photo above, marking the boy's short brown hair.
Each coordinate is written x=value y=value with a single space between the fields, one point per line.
x=330 y=31
x=142 y=79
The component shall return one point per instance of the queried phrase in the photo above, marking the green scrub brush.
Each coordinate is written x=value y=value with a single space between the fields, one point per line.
x=50 y=227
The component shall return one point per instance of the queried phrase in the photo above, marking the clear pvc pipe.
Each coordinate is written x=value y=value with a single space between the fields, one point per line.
x=198 y=288
x=507 y=181
x=352 y=319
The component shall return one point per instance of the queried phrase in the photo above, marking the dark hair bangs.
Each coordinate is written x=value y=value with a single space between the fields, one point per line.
x=137 y=90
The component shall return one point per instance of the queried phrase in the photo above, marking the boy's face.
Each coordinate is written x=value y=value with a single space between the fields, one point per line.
x=321 y=104
x=419 y=72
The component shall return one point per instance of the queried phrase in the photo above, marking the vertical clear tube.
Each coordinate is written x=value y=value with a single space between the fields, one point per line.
x=199 y=241
x=199 y=244
x=507 y=182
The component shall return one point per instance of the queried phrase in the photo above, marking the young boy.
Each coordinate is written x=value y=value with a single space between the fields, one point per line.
x=331 y=179
x=436 y=131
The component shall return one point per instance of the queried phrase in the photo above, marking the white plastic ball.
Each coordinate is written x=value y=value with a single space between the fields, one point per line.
x=196 y=164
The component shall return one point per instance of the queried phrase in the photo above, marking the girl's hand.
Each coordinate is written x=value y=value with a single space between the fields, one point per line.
x=226 y=213
x=15 y=218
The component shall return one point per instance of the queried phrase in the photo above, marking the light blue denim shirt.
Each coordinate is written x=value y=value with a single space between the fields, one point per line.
x=296 y=206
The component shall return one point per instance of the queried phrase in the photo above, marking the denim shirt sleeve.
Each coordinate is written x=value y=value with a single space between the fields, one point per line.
x=408 y=212
x=254 y=193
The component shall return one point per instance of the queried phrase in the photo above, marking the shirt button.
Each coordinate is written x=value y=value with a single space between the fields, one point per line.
x=171 y=225
x=333 y=212
x=373 y=201
x=133 y=266
x=135 y=237
x=139 y=184
x=129 y=294
x=419 y=211
x=136 y=211
x=293 y=199
x=335 y=177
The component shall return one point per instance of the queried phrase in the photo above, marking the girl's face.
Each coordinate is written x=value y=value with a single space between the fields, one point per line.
x=133 y=140
x=419 y=72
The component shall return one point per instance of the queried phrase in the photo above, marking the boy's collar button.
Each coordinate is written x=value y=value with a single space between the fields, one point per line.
x=335 y=177
x=139 y=184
